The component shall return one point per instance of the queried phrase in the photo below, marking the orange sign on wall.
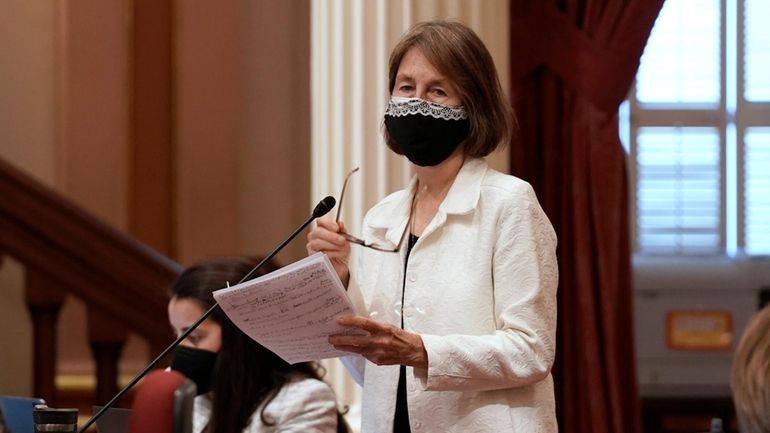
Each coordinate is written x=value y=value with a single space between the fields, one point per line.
x=699 y=330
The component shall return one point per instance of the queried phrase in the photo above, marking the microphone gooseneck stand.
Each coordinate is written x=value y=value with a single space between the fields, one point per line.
x=321 y=209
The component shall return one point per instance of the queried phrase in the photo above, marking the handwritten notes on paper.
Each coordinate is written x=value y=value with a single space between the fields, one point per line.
x=291 y=311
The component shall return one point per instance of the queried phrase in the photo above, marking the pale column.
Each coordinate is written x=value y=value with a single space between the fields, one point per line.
x=351 y=42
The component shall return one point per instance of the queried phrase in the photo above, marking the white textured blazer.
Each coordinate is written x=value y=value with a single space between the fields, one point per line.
x=480 y=289
x=301 y=406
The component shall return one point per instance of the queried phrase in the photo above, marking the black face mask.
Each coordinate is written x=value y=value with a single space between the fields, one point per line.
x=197 y=365
x=426 y=132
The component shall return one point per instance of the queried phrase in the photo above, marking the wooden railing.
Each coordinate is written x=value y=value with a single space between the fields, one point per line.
x=66 y=251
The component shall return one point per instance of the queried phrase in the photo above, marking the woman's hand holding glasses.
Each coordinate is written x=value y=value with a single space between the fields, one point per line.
x=326 y=237
x=330 y=237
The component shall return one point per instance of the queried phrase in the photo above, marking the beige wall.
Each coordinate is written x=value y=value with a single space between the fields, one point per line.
x=27 y=138
x=209 y=90
x=275 y=148
x=93 y=108
x=65 y=121
x=241 y=126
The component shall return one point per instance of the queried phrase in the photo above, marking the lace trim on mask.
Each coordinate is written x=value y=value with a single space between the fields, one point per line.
x=400 y=106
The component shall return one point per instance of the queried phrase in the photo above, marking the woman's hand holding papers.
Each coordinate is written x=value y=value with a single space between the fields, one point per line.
x=384 y=344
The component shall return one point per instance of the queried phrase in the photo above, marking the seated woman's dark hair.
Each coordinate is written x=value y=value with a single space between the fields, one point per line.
x=246 y=374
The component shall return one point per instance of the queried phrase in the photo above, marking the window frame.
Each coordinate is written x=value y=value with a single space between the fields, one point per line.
x=732 y=116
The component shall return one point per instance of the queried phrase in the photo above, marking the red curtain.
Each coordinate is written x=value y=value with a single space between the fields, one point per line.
x=572 y=64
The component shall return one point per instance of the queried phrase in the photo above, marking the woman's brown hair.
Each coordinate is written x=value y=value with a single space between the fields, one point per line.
x=750 y=378
x=459 y=54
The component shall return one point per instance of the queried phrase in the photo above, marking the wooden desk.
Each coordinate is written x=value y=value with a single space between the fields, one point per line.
x=686 y=409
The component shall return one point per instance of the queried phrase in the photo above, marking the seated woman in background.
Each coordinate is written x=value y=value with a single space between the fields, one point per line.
x=750 y=381
x=242 y=387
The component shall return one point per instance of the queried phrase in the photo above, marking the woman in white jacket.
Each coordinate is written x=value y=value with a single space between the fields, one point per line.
x=456 y=285
x=242 y=386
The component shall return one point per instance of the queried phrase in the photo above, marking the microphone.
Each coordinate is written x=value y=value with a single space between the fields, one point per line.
x=322 y=208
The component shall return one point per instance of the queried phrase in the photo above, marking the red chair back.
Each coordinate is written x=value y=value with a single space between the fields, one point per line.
x=163 y=404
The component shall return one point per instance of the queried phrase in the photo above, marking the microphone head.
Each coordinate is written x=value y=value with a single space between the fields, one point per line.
x=324 y=206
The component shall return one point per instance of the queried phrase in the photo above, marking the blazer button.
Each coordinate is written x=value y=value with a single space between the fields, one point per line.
x=412 y=278
x=417 y=425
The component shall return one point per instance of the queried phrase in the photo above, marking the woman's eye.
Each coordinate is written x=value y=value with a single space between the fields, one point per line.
x=439 y=92
x=194 y=339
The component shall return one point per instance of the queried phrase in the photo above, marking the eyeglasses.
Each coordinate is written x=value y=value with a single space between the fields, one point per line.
x=353 y=239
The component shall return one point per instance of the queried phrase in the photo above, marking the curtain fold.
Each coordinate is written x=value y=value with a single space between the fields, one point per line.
x=572 y=64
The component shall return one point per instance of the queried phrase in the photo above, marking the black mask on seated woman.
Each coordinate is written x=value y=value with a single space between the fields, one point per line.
x=426 y=132
x=196 y=364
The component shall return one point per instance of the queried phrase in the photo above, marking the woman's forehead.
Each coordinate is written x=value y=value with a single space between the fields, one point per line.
x=415 y=65
x=184 y=307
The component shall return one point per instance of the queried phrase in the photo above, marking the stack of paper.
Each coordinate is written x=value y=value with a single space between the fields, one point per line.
x=291 y=311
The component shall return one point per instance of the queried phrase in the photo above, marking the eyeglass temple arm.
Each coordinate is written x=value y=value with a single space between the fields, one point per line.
x=342 y=194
